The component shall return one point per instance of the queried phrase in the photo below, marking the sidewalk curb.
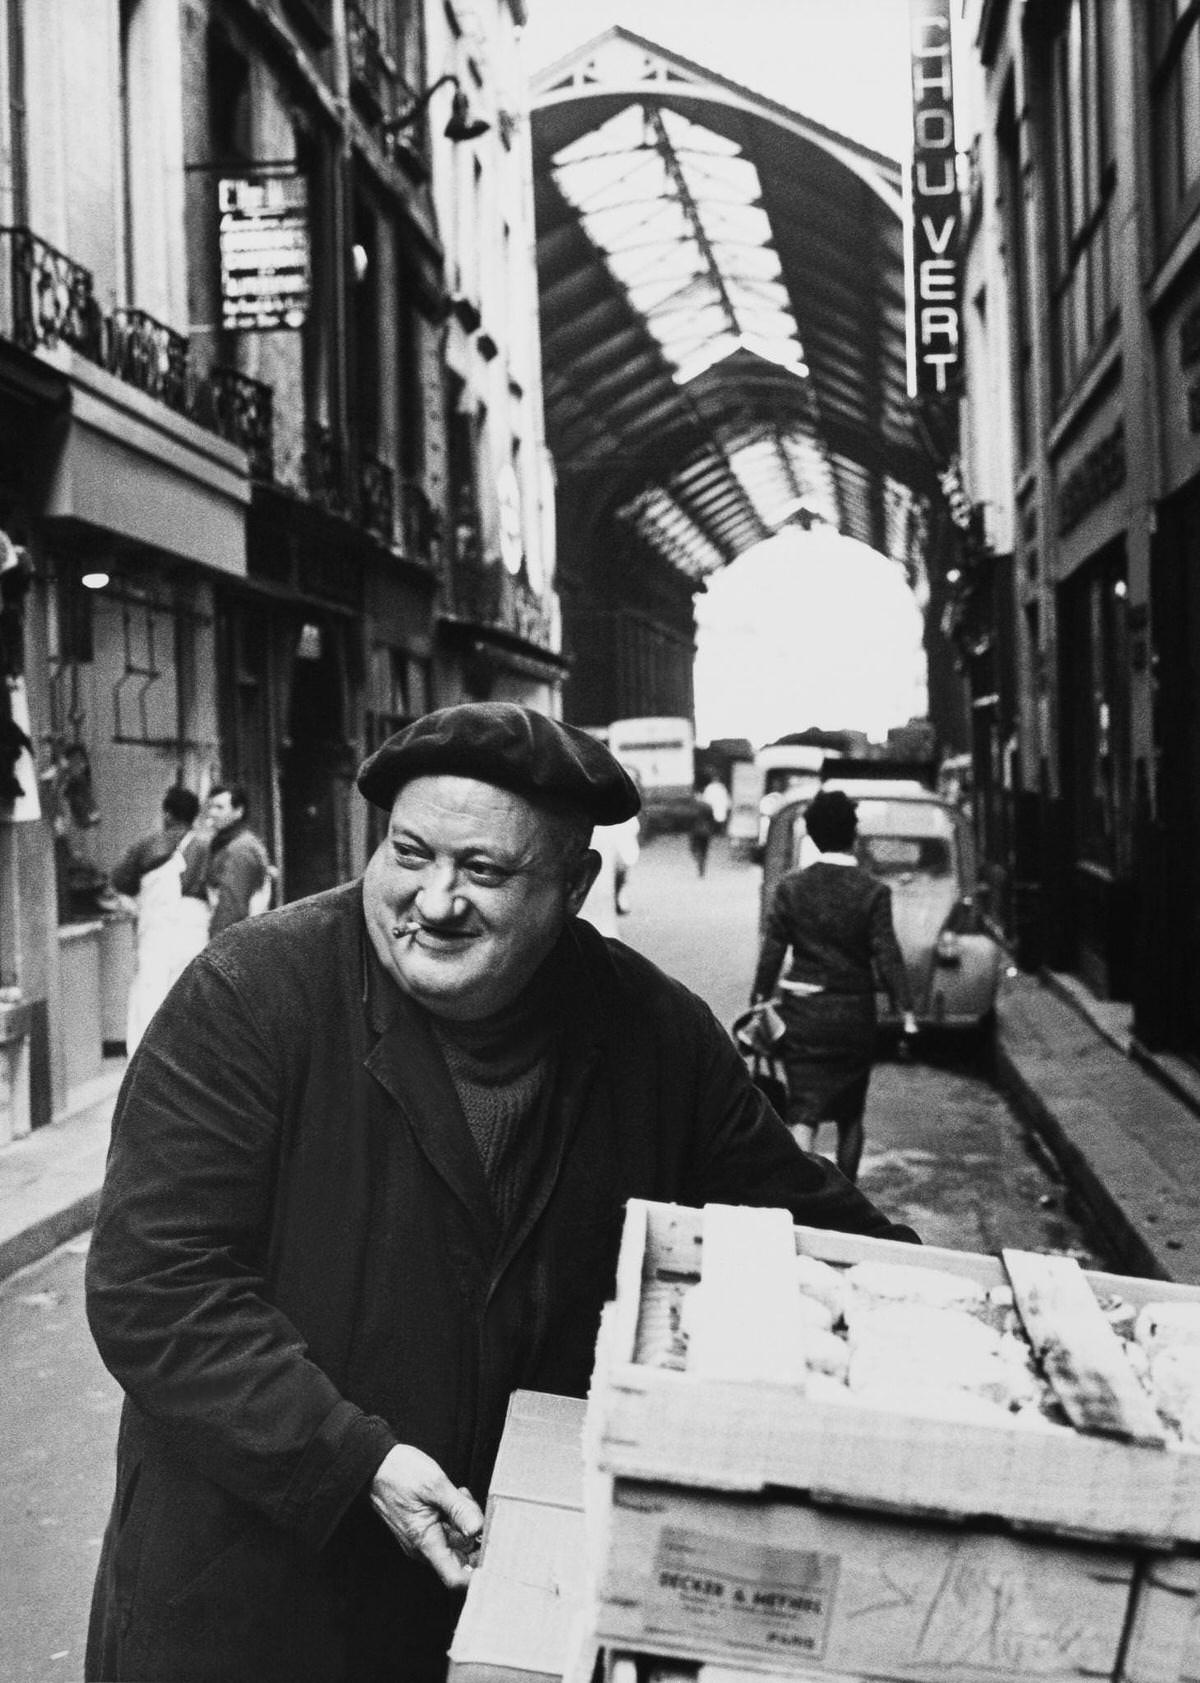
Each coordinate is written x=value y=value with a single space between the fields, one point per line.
x=1105 y=1209
x=37 y=1240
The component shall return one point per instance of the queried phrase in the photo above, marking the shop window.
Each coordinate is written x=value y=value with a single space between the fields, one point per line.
x=1082 y=176
x=1175 y=106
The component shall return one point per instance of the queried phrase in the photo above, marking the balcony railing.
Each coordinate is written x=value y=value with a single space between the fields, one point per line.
x=411 y=142
x=376 y=499
x=52 y=303
x=325 y=469
x=422 y=524
x=243 y=412
x=369 y=75
x=154 y=358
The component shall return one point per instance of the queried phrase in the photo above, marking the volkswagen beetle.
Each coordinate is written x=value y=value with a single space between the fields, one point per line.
x=922 y=847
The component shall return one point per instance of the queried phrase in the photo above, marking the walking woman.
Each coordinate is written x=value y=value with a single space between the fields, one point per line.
x=837 y=920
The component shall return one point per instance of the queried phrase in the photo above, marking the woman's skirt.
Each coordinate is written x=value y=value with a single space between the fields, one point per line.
x=827 y=1053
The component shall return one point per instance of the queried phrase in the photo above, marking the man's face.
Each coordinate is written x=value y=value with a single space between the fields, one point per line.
x=221 y=810
x=473 y=877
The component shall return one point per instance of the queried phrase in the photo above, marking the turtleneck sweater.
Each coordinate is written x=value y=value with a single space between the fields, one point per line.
x=502 y=1067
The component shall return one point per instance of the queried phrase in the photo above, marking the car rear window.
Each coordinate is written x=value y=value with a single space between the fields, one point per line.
x=890 y=856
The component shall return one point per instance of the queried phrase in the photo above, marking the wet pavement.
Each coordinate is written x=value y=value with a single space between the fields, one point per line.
x=58 y=1427
x=945 y=1152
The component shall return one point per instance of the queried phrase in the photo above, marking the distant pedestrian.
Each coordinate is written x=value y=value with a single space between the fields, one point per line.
x=717 y=796
x=837 y=920
x=240 y=875
x=703 y=828
x=165 y=874
x=618 y=849
x=628 y=848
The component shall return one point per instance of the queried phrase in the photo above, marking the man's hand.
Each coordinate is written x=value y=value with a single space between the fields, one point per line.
x=429 y=1518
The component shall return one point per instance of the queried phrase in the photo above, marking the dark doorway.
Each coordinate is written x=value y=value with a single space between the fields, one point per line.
x=1093 y=645
x=247 y=711
x=316 y=763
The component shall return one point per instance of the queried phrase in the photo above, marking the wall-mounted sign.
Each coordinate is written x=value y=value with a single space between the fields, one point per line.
x=935 y=201
x=264 y=250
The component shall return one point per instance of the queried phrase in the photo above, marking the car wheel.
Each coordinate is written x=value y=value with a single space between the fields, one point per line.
x=981 y=1042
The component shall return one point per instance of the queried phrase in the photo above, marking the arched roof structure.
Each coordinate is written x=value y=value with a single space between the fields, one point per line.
x=723 y=311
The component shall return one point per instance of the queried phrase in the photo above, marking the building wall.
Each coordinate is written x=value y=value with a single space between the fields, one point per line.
x=1102 y=425
x=274 y=509
x=500 y=486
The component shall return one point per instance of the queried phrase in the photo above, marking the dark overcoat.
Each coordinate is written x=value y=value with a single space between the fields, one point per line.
x=295 y=1265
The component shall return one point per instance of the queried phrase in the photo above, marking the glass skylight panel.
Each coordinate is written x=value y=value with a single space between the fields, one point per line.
x=653 y=215
x=764 y=476
x=667 y=527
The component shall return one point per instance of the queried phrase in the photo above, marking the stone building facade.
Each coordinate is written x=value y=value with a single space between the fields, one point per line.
x=247 y=530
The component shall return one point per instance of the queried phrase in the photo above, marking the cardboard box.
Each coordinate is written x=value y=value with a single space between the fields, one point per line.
x=786 y=1587
x=526 y=1604
x=657 y=1423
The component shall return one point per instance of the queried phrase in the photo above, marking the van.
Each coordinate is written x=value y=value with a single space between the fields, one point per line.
x=786 y=769
x=661 y=753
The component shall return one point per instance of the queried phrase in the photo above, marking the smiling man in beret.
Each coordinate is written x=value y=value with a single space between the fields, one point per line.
x=367 y=1177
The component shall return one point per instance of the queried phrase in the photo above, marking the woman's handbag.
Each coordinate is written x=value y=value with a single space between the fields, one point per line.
x=757 y=1034
x=760 y=1029
x=764 y=1072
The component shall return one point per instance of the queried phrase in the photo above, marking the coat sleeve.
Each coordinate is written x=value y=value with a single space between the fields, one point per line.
x=127 y=876
x=745 y=1155
x=887 y=960
x=176 y=1277
x=775 y=943
x=235 y=872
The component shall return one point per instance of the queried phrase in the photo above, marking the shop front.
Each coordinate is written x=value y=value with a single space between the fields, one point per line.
x=134 y=510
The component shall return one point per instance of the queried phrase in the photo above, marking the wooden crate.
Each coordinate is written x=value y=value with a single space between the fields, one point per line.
x=787 y=1587
x=660 y=1425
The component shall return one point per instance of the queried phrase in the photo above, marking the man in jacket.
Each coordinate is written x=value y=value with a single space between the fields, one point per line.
x=367 y=1177
x=239 y=869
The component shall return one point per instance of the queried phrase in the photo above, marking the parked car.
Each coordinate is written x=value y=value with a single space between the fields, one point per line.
x=922 y=847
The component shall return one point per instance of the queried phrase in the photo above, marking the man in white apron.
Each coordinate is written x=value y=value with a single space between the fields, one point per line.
x=165 y=873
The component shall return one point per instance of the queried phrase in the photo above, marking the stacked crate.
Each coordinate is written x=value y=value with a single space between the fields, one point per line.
x=740 y=1523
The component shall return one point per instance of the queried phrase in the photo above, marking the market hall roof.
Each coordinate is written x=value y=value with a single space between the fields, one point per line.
x=723 y=311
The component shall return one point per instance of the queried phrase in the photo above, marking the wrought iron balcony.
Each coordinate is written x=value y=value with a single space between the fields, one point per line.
x=154 y=358
x=376 y=499
x=370 y=78
x=487 y=594
x=243 y=412
x=53 y=301
x=325 y=469
x=422 y=524
x=478 y=592
x=410 y=143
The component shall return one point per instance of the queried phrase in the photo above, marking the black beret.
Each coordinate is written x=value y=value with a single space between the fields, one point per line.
x=514 y=747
